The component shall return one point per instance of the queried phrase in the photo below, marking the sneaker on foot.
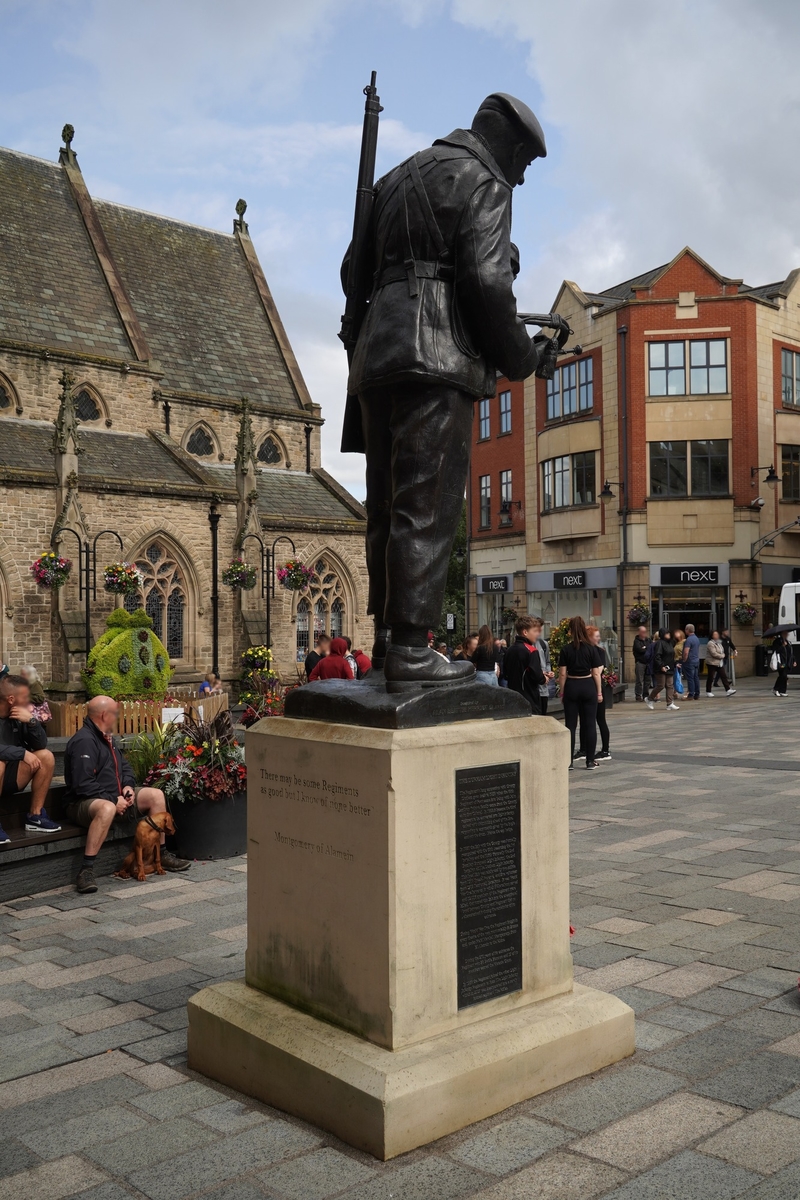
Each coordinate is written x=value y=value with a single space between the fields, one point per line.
x=650 y=704
x=602 y=755
x=731 y=692
x=674 y=707
x=579 y=754
x=41 y=823
x=571 y=767
x=171 y=862
x=4 y=838
x=591 y=766
x=86 y=881
x=710 y=695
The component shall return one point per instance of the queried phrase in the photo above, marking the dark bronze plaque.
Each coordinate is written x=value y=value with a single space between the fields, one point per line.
x=488 y=883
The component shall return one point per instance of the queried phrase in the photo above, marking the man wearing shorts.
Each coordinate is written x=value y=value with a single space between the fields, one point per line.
x=101 y=785
x=24 y=757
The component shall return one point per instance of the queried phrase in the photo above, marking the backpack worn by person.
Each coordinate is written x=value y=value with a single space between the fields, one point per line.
x=650 y=658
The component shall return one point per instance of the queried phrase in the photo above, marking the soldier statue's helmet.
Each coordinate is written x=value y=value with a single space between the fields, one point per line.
x=521 y=117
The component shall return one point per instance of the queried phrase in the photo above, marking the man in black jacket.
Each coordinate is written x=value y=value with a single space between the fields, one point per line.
x=24 y=757
x=442 y=322
x=523 y=666
x=644 y=680
x=102 y=790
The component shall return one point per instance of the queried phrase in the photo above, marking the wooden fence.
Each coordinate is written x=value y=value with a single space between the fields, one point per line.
x=135 y=716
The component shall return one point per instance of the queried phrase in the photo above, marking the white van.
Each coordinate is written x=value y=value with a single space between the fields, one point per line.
x=789 y=607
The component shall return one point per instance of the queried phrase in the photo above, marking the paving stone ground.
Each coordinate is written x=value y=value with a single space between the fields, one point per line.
x=686 y=899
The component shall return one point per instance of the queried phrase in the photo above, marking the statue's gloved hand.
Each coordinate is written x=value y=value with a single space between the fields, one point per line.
x=548 y=356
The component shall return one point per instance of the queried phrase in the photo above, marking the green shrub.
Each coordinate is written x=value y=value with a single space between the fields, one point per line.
x=128 y=659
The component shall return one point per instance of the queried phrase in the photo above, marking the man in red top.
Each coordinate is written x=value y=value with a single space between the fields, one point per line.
x=363 y=662
x=334 y=665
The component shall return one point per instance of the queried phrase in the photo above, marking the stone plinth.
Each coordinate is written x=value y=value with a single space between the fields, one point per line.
x=408 y=968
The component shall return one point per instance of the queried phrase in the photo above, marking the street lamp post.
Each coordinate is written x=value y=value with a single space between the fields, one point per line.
x=213 y=520
x=268 y=574
x=607 y=496
x=87 y=573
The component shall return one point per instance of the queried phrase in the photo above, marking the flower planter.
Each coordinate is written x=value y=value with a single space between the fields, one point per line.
x=211 y=828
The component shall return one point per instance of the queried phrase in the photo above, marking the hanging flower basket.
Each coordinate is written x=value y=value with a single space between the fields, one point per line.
x=639 y=615
x=509 y=616
x=744 y=614
x=257 y=658
x=239 y=575
x=122 y=578
x=51 y=571
x=294 y=575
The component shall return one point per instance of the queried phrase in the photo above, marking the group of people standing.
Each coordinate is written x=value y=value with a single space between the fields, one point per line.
x=671 y=663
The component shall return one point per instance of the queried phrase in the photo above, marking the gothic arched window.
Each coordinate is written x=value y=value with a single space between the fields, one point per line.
x=327 y=596
x=86 y=408
x=269 y=452
x=200 y=442
x=164 y=595
x=303 y=628
x=5 y=399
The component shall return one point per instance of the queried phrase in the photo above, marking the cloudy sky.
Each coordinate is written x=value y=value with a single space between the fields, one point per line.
x=668 y=122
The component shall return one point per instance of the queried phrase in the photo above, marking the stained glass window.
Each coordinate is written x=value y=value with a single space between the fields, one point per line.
x=174 y=639
x=164 y=591
x=200 y=442
x=268 y=452
x=86 y=407
x=337 y=618
x=303 y=622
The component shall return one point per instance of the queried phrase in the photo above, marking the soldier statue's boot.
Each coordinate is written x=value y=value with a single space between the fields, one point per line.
x=410 y=667
x=380 y=646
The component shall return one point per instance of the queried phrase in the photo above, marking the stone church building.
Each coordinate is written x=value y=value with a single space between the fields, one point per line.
x=147 y=388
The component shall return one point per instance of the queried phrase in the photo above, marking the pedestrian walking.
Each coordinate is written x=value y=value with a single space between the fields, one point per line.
x=781 y=660
x=644 y=679
x=715 y=665
x=484 y=657
x=730 y=654
x=602 y=723
x=663 y=671
x=691 y=664
x=580 y=667
x=678 y=638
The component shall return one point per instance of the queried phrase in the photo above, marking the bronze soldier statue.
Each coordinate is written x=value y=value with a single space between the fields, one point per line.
x=441 y=321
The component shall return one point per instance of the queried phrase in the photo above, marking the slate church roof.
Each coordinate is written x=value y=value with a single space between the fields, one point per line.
x=191 y=290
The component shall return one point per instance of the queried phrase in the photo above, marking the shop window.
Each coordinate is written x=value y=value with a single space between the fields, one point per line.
x=484 y=420
x=583 y=478
x=708 y=369
x=710 y=468
x=790 y=464
x=667 y=368
x=585 y=384
x=505 y=412
x=485 y=485
x=790 y=377
x=668 y=474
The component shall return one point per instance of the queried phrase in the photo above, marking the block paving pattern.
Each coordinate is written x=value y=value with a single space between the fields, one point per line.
x=686 y=898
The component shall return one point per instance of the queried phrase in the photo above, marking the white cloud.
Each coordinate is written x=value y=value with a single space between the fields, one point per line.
x=678 y=124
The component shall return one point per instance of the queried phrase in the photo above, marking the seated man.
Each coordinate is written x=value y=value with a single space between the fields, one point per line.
x=24 y=757
x=102 y=791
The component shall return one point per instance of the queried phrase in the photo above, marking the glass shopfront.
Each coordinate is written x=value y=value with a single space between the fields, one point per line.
x=690 y=595
x=590 y=593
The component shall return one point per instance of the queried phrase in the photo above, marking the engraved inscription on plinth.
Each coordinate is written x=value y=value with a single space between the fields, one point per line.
x=488 y=883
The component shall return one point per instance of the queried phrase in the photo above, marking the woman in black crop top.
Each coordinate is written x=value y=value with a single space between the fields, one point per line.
x=580 y=669
x=485 y=658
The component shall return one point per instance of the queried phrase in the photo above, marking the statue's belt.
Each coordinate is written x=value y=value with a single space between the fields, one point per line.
x=420 y=268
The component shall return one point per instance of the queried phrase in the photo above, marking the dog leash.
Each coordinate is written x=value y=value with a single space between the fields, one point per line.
x=149 y=821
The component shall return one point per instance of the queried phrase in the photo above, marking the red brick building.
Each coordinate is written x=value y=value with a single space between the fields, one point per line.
x=685 y=394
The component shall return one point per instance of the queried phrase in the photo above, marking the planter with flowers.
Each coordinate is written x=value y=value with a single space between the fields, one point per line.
x=260 y=689
x=239 y=575
x=122 y=579
x=639 y=615
x=50 y=571
x=744 y=614
x=610 y=680
x=202 y=773
x=294 y=575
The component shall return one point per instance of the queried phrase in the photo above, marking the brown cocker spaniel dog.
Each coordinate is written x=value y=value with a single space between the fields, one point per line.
x=145 y=857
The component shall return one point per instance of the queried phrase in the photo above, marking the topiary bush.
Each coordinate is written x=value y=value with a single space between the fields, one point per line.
x=128 y=659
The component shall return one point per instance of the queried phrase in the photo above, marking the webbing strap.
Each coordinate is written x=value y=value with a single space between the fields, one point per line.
x=427 y=212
